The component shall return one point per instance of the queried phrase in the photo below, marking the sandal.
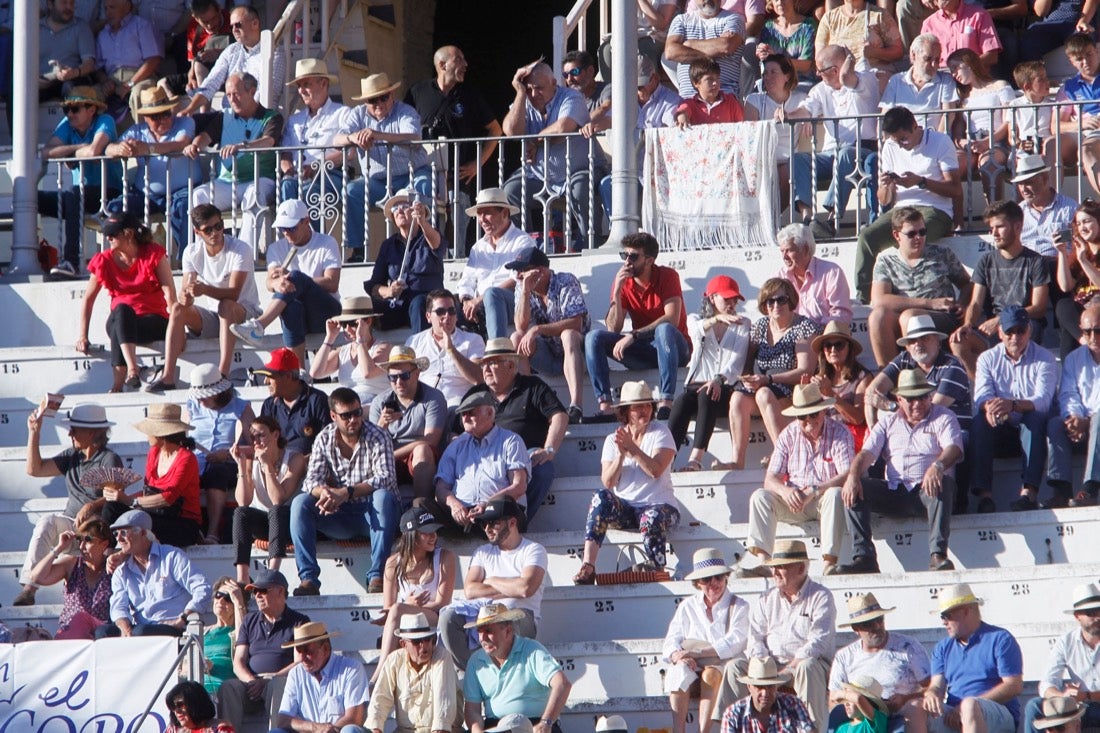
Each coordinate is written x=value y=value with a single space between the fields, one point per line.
x=586 y=575
x=690 y=466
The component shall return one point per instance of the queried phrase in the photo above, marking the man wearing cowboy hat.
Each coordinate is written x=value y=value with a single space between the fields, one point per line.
x=794 y=622
x=409 y=264
x=246 y=181
x=85 y=132
x=218 y=290
x=244 y=55
x=1061 y=714
x=921 y=444
x=898 y=662
x=1014 y=393
x=89 y=430
x=450 y=350
x=977 y=671
x=324 y=691
x=417 y=683
x=527 y=406
x=156 y=589
x=486 y=462
x=304 y=292
x=532 y=685
x=551 y=322
x=487 y=288
x=315 y=125
x=375 y=128
x=807 y=468
x=415 y=416
x=765 y=707
x=915 y=278
x=260 y=659
x=1072 y=672
x=1046 y=211
x=541 y=106
x=301 y=410
x=1076 y=425
x=1009 y=275
x=350 y=490
x=508 y=571
x=162 y=176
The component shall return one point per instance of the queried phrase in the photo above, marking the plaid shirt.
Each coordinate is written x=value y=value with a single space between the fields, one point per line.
x=788 y=715
x=371 y=461
x=911 y=449
x=804 y=465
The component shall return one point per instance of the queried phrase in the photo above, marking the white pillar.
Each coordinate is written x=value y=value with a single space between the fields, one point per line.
x=624 y=109
x=24 y=164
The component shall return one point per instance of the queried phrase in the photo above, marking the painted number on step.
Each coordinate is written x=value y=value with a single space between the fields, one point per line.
x=677 y=264
x=238 y=357
x=903 y=539
x=130 y=462
x=649 y=661
x=859 y=326
x=344 y=562
x=586 y=446
x=815 y=542
x=1064 y=530
x=550 y=500
x=704 y=492
x=4 y=419
x=833 y=251
x=573 y=553
x=567 y=664
x=359 y=615
x=1020 y=589
x=934 y=592
x=604 y=606
x=751 y=255
x=82 y=365
x=758 y=436
x=9 y=368
x=987 y=535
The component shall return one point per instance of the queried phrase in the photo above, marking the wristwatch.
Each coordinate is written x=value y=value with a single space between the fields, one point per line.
x=548 y=722
x=549 y=449
x=923 y=182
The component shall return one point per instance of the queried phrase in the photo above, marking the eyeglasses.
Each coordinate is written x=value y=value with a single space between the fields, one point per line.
x=212 y=228
x=868 y=625
x=629 y=256
x=1090 y=612
x=81 y=539
x=714 y=579
x=573 y=72
x=399 y=377
x=260 y=591
x=237 y=26
x=914 y=233
x=357 y=412
x=493 y=364
x=179 y=705
x=221 y=596
x=804 y=418
x=380 y=99
x=122 y=531
x=160 y=115
x=397 y=208
x=1090 y=331
x=424 y=640
x=834 y=345
x=72 y=109
x=826 y=69
x=445 y=311
x=776 y=300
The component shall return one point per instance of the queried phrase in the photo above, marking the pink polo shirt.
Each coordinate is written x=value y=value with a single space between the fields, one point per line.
x=972 y=28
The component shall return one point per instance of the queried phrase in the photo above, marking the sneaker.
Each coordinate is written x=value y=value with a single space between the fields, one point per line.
x=576 y=416
x=986 y=505
x=250 y=331
x=374 y=586
x=66 y=270
x=939 y=561
x=859 y=566
x=308 y=588
x=25 y=597
x=1023 y=503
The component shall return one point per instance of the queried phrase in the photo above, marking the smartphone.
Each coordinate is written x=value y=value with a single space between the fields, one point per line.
x=1065 y=235
x=392 y=403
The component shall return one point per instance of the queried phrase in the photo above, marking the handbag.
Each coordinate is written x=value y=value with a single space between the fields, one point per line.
x=638 y=572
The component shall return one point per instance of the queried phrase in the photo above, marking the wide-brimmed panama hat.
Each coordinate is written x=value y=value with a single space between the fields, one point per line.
x=491 y=197
x=494 y=613
x=913 y=383
x=207 y=381
x=375 y=85
x=788 y=552
x=806 y=400
x=163 y=419
x=1085 y=598
x=869 y=688
x=155 y=99
x=403 y=196
x=498 y=348
x=402 y=356
x=834 y=330
x=87 y=415
x=1029 y=166
x=305 y=68
x=864 y=607
x=956 y=595
x=308 y=633
x=918 y=326
x=414 y=626
x=1058 y=711
x=763 y=672
x=635 y=393
x=707 y=562
x=355 y=307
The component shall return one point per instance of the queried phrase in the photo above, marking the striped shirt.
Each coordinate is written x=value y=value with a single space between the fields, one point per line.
x=788 y=715
x=949 y=376
x=805 y=464
x=910 y=449
x=371 y=461
x=804 y=628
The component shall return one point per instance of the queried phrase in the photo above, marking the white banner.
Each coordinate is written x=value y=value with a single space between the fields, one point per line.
x=84 y=686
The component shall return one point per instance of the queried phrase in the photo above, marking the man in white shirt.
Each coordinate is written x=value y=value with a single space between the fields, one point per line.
x=487 y=288
x=508 y=570
x=842 y=92
x=923 y=87
x=918 y=168
x=450 y=352
x=1076 y=425
x=218 y=273
x=303 y=275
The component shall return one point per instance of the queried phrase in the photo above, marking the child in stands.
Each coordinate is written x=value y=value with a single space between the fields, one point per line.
x=1031 y=127
x=709 y=105
x=1082 y=87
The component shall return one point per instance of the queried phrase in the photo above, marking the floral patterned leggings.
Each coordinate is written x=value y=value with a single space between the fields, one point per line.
x=653 y=521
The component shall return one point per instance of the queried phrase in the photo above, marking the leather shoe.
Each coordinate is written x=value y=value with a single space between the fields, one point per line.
x=308 y=588
x=1023 y=503
x=939 y=561
x=859 y=566
x=986 y=505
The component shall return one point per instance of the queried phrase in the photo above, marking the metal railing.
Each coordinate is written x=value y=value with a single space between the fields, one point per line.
x=573 y=27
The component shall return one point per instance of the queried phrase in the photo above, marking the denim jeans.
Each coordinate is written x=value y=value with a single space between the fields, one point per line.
x=307 y=309
x=1059 y=468
x=500 y=308
x=1030 y=434
x=668 y=350
x=835 y=166
x=542 y=477
x=354 y=218
x=578 y=200
x=375 y=517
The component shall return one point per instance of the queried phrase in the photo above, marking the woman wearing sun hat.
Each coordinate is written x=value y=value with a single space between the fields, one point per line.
x=708 y=629
x=841 y=377
x=637 y=486
x=220 y=417
x=171 y=492
x=355 y=362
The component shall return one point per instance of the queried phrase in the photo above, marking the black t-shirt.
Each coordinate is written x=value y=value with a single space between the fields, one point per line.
x=463 y=112
x=527 y=409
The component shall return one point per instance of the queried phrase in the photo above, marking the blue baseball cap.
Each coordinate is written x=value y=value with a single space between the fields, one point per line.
x=1014 y=316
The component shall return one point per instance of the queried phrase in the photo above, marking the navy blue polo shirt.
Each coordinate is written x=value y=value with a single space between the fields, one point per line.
x=265 y=640
x=302 y=421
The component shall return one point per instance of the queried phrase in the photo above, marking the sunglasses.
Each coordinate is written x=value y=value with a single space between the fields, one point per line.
x=445 y=311
x=237 y=26
x=777 y=300
x=212 y=228
x=257 y=591
x=86 y=538
x=915 y=233
x=398 y=208
x=72 y=109
x=160 y=115
x=1090 y=331
x=179 y=705
x=573 y=72
x=629 y=256
x=834 y=345
x=811 y=416
x=868 y=625
x=399 y=377
x=380 y=99
x=922 y=398
x=123 y=531
x=221 y=596
x=357 y=412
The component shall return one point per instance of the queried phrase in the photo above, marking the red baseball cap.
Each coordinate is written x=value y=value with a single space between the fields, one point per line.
x=725 y=286
x=282 y=360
